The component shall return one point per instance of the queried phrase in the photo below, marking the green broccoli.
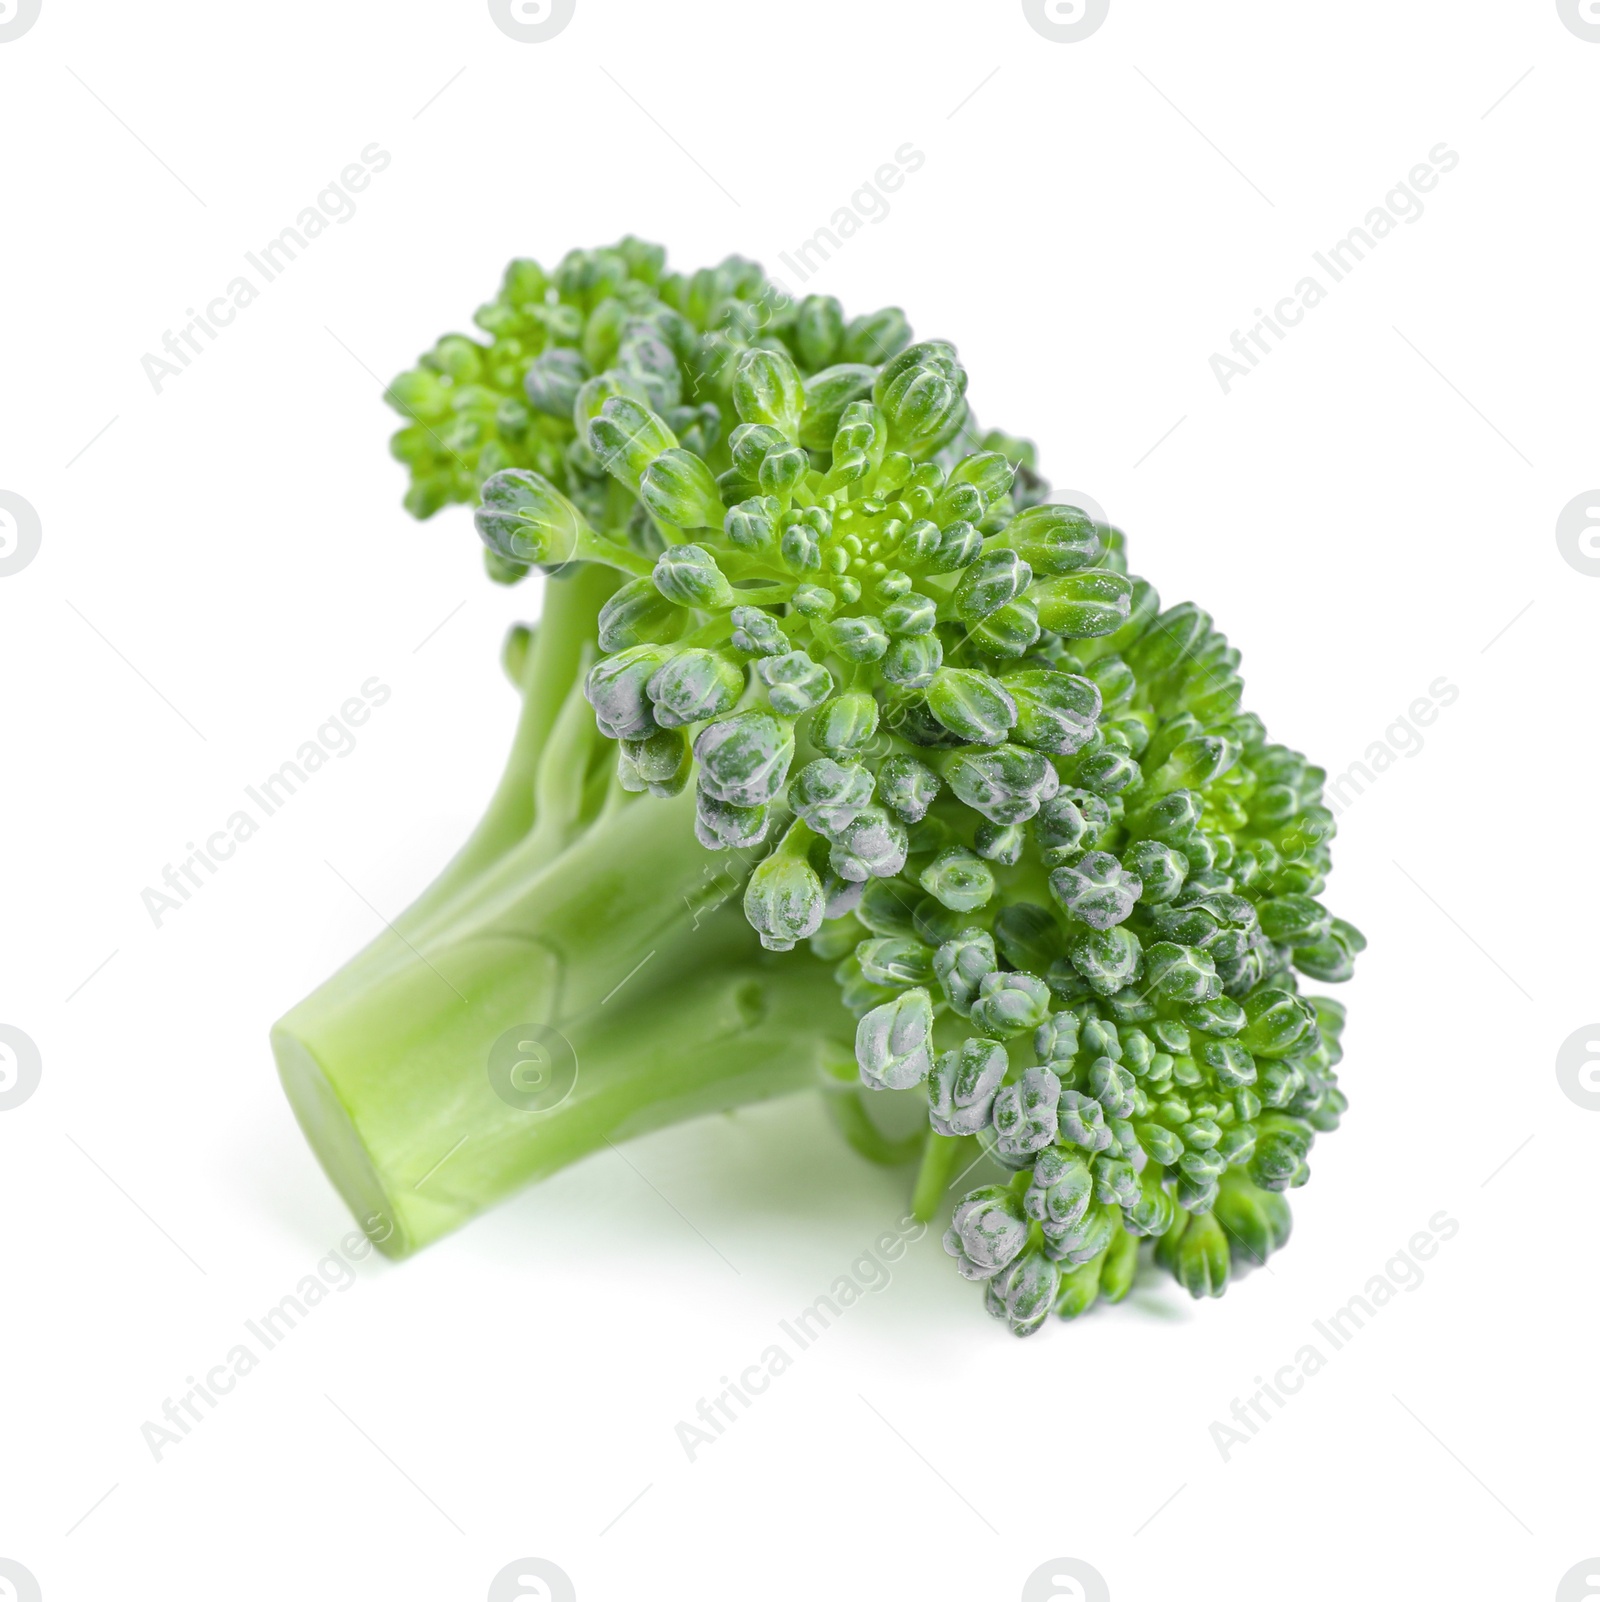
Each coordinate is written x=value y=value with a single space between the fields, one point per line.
x=820 y=666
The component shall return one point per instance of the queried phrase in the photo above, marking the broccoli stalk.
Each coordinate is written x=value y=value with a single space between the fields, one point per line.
x=581 y=911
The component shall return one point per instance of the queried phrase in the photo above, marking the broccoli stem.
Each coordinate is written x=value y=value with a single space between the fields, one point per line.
x=933 y=1177
x=587 y=921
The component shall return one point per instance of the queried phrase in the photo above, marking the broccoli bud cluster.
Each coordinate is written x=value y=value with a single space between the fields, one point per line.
x=1068 y=886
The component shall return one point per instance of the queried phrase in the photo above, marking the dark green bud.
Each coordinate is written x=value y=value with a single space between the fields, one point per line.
x=1108 y=772
x=1294 y=920
x=1082 y=1122
x=827 y=394
x=894 y=1042
x=989 y=472
x=856 y=639
x=553 y=380
x=972 y=705
x=830 y=796
x=871 y=845
x=960 y=966
x=1107 y=958
x=1023 y=1293
x=794 y=682
x=1028 y=936
x=876 y=337
x=1060 y=1189
x=627 y=437
x=694 y=685
x=895 y=962
x=1069 y=822
x=1084 y=605
x=719 y=826
x=1194 y=764
x=1082 y=1242
x=1159 y=868
x=1180 y=974
x=1056 y=1041
x=678 y=488
x=1281 y=1147
x=1222 y=1017
x=907 y=787
x=920 y=393
x=1053 y=540
x=525 y=518
x=959 y=545
x=752 y=525
x=888 y=907
x=767 y=389
x=1011 y=1004
x=846 y=724
x=784 y=901
x=758 y=633
x=989 y=583
x=617 y=689
x=1002 y=843
x=1097 y=889
x=913 y=663
x=1280 y=1023
x=1172 y=820
x=1055 y=711
x=818 y=330
x=1257 y=1222
x=1025 y=1113
x=744 y=760
x=1195 y=1251
x=962 y=1087
x=1010 y=632
x=959 y=880
x=1331 y=959
x=660 y=761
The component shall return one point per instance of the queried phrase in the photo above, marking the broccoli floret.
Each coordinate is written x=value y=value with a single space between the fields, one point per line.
x=917 y=755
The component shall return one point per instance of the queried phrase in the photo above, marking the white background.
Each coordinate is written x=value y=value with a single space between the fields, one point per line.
x=1372 y=508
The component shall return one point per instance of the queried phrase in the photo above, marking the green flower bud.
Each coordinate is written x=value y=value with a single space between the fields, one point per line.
x=757 y=633
x=1056 y=1041
x=1331 y=959
x=958 y=545
x=1114 y=1087
x=827 y=395
x=958 y=503
x=1010 y=632
x=744 y=760
x=1221 y=1017
x=1294 y=920
x=767 y=389
x=871 y=845
x=752 y=525
x=1107 y=958
x=1194 y=764
x=1007 y=784
x=1002 y=843
x=1195 y=1250
x=1084 y=605
x=846 y=724
x=694 y=685
x=525 y=518
x=814 y=602
x=893 y=1042
x=1257 y=1222
x=876 y=337
x=1083 y=1241
x=921 y=392
x=553 y=380
x=830 y=796
x=856 y=639
x=1023 y=1293
x=1280 y=1024
x=1159 y=868
x=989 y=583
x=1281 y=1147
x=627 y=437
x=818 y=330
x=1025 y=1113
x=794 y=682
x=1028 y=936
x=1180 y=974
x=1053 y=540
x=895 y=961
x=1060 y=1189
x=1115 y=1183
x=781 y=469
x=688 y=575
x=888 y=907
x=617 y=689
x=721 y=826
x=913 y=663
x=972 y=705
x=960 y=965
x=784 y=901
x=963 y=1085
x=958 y=879
x=911 y=615
x=990 y=472
x=678 y=488
x=1108 y=772
x=660 y=761
x=1055 y=711
x=1011 y=1004
x=1172 y=820
x=749 y=444
x=907 y=787
x=987 y=1232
